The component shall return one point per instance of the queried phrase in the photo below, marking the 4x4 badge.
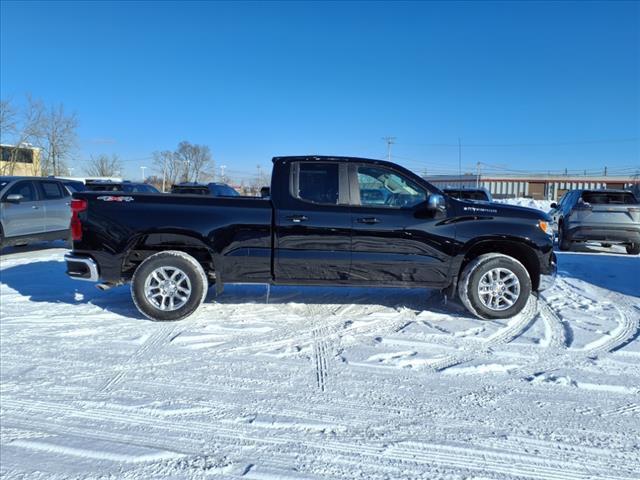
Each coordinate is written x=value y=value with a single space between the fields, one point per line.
x=113 y=198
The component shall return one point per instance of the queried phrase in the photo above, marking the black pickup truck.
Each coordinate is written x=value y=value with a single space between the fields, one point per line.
x=327 y=221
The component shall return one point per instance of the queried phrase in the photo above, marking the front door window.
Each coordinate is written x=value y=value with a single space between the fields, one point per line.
x=380 y=187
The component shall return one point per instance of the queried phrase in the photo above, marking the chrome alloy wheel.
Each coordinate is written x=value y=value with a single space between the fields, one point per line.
x=167 y=288
x=499 y=289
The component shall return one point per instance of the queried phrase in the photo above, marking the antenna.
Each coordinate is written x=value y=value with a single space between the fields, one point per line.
x=390 y=141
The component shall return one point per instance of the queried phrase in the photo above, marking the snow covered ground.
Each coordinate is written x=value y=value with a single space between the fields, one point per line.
x=316 y=383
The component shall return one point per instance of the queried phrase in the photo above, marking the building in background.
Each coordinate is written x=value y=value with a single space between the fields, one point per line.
x=539 y=187
x=19 y=161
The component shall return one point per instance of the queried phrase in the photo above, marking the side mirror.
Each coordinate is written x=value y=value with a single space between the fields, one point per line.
x=14 y=198
x=434 y=204
x=265 y=192
x=554 y=205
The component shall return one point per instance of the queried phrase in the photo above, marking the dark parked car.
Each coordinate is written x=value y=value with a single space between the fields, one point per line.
x=33 y=209
x=73 y=185
x=477 y=194
x=605 y=216
x=126 y=187
x=316 y=228
x=212 y=189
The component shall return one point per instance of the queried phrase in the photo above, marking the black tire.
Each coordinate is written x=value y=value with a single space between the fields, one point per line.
x=633 y=249
x=170 y=259
x=473 y=273
x=563 y=244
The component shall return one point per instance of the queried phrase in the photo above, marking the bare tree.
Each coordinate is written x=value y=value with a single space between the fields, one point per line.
x=23 y=129
x=59 y=139
x=193 y=159
x=8 y=120
x=166 y=164
x=104 y=166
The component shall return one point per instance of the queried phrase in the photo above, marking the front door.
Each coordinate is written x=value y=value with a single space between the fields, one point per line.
x=313 y=223
x=25 y=217
x=393 y=242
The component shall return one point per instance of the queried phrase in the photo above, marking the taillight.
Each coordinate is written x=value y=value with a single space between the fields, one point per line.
x=77 y=205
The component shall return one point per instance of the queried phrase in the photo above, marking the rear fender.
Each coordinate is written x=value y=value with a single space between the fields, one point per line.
x=146 y=244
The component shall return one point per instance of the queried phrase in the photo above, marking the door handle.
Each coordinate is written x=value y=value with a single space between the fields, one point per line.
x=35 y=207
x=368 y=220
x=298 y=218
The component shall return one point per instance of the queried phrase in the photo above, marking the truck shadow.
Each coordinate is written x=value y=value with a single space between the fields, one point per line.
x=47 y=282
x=397 y=298
x=611 y=271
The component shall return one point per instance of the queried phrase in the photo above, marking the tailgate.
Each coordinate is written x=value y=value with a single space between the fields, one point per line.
x=607 y=214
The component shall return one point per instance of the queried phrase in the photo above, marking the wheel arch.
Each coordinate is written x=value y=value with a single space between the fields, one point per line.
x=519 y=249
x=144 y=245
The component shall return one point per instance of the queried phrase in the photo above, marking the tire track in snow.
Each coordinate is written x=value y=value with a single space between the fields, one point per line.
x=629 y=319
x=321 y=360
x=515 y=327
x=555 y=331
x=189 y=434
x=333 y=320
x=164 y=334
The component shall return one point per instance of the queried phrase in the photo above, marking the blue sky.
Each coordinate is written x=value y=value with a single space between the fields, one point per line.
x=532 y=86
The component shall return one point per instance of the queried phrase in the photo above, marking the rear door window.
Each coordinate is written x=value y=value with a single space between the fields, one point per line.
x=51 y=190
x=609 y=198
x=317 y=183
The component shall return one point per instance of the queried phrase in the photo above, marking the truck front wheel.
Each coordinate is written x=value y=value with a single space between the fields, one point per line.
x=494 y=286
x=169 y=285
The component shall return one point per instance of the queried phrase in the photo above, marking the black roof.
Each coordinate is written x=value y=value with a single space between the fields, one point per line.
x=333 y=158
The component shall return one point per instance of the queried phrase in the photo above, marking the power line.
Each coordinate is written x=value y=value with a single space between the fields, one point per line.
x=529 y=144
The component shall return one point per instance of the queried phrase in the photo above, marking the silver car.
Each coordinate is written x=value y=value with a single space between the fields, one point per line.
x=33 y=209
x=604 y=216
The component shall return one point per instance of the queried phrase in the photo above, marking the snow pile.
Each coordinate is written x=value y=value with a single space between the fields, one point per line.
x=544 y=205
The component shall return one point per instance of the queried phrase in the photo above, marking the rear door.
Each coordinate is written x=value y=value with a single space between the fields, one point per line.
x=313 y=224
x=390 y=243
x=26 y=217
x=56 y=201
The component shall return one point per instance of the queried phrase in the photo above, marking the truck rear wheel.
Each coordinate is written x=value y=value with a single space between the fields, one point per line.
x=169 y=285
x=494 y=286
x=633 y=248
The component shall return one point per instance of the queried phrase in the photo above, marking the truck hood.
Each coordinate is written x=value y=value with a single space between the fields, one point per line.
x=499 y=210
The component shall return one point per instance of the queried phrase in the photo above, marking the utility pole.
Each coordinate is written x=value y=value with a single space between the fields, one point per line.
x=459 y=162
x=390 y=141
x=164 y=175
x=605 y=171
x=222 y=167
x=143 y=169
x=477 y=174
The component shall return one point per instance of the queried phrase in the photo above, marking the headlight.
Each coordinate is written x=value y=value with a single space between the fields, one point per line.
x=546 y=227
